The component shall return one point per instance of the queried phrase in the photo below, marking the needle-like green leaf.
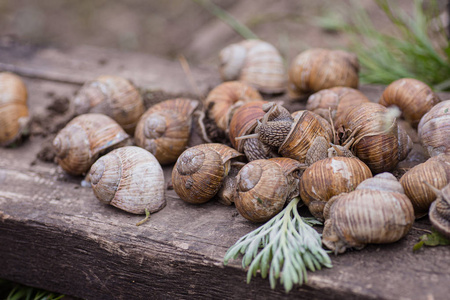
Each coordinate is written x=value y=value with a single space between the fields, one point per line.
x=283 y=248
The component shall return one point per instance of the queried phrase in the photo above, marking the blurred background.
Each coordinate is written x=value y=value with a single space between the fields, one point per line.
x=170 y=28
x=198 y=29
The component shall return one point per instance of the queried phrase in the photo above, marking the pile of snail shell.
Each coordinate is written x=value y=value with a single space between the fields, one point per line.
x=339 y=142
x=325 y=154
x=98 y=142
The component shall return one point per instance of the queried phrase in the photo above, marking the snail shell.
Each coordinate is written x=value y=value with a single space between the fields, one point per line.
x=200 y=170
x=379 y=141
x=440 y=211
x=292 y=136
x=262 y=190
x=244 y=122
x=434 y=129
x=334 y=101
x=376 y=212
x=83 y=139
x=255 y=62
x=13 y=108
x=225 y=98
x=413 y=97
x=317 y=69
x=435 y=171
x=113 y=96
x=304 y=132
x=165 y=128
x=129 y=178
x=330 y=177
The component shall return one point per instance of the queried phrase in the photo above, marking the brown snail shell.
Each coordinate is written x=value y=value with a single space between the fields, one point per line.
x=262 y=190
x=225 y=98
x=292 y=136
x=317 y=69
x=113 y=96
x=435 y=171
x=83 y=139
x=304 y=132
x=13 y=108
x=330 y=177
x=165 y=128
x=255 y=62
x=334 y=101
x=440 y=211
x=379 y=141
x=200 y=170
x=129 y=178
x=244 y=122
x=412 y=96
x=370 y=214
x=434 y=129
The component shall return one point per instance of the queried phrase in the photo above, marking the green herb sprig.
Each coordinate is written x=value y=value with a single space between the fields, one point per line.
x=283 y=248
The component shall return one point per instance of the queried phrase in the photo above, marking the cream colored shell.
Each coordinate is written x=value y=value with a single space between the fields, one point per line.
x=434 y=129
x=129 y=178
x=255 y=62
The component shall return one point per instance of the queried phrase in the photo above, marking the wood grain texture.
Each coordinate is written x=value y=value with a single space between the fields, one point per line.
x=56 y=235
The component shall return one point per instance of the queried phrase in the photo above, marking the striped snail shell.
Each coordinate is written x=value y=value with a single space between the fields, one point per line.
x=255 y=62
x=13 y=108
x=113 y=96
x=84 y=139
x=434 y=129
x=440 y=210
x=412 y=96
x=262 y=189
x=129 y=178
x=225 y=98
x=376 y=212
x=200 y=170
x=330 y=177
x=435 y=171
x=165 y=128
x=317 y=69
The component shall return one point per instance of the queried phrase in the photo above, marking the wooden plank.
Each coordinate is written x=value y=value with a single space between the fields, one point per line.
x=56 y=235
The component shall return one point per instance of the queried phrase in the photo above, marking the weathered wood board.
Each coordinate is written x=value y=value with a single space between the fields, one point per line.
x=55 y=235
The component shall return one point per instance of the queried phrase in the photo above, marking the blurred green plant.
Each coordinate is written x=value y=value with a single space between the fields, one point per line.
x=227 y=18
x=14 y=291
x=419 y=48
x=432 y=239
